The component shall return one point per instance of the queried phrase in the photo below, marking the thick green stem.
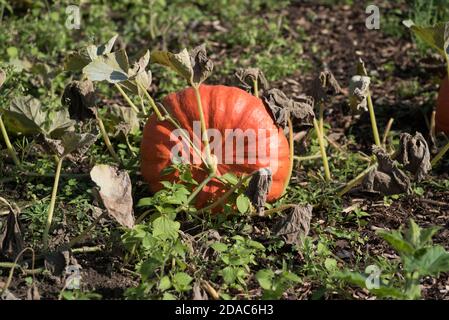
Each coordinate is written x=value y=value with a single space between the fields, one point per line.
x=292 y=153
x=307 y=158
x=51 y=208
x=372 y=116
x=153 y=105
x=9 y=147
x=200 y=187
x=356 y=181
x=128 y=100
x=321 y=118
x=108 y=143
x=440 y=155
x=204 y=135
x=256 y=88
x=278 y=209
x=327 y=172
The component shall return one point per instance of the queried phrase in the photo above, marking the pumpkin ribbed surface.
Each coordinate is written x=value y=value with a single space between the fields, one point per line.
x=225 y=108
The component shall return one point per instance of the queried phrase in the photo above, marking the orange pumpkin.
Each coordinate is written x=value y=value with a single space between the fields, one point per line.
x=442 y=112
x=225 y=108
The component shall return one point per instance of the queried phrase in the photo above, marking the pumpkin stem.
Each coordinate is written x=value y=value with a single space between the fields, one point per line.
x=327 y=172
x=204 y=136
x=153 y=105
x=198 y=189
x=108 y=143
x=372 y=116
x=387 y=131
x=51 y=208
x=126 y=97
x=292 y=153
x=440 y=155
x=256 y=88
x=356 y=181
x=9 y=147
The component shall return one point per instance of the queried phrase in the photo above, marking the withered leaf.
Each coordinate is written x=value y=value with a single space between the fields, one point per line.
x=73 y=143
x=324 y=86
x=295 y=225
x=11 y=240
x=57 y=261
x=114 y=190
x=248 y=76
x=387 y=178
x=358 y=93
x=80 y=97
x=282 y=108
x=202 y=65
x=119 y=119
x=258 y=188
x=414 y=154
x=112 y=67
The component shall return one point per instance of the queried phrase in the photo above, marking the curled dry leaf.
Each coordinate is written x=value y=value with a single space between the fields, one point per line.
x=248 y=76
x=11 y=240
x=325 y=86
x=194 y=66
x=114 y=190
x=111 y=67
x=201 y=64
x=294 y=226
x=71 y=143
x=282 y=108
x=258 y=188
x=414 y=154
x=387 y=178
x=57 y=262
x=139 y=73
x=358 y=93
x=80 y=97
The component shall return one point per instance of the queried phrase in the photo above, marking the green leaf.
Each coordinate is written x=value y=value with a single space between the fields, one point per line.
x=243 y=203
x=181 y=281
x=395 y=239
x=164 y=228
x=428 y=262
x=229 y=274
x=145 y=202
x=413 y=234
x=219 y=247
x=436 y=36
x=111 y=67
x=331 y=264
x=165 y=283
x=427 y=234
x=265 y=278
x=230 y=178
x=25 y=116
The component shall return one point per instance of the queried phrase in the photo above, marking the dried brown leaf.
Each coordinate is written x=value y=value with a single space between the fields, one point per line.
x=258 y=188
x=325 y=86
x=114 y=190
x=247 y=77
x=387 y=178
x=294 y=226
x=80 y=97
x=358 y=93
x=11 y=239
x=414 y=154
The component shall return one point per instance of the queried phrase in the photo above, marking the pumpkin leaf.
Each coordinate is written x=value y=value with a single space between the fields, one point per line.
x=78 y=60
x=258 y=188
x=71 y=142
x=358 y=93
x=436 y=36
x=282 y=108
x=111 y=67
x=11 y=240
x=194 y=66
x=25 y=115
x=325 y=86
x=295 y=226
x=120 y=119
x=414 y=154
x=387 y=178
x=248 y=76
x=114 y=190
x=201 y=64
x=80 y=97
x=178 y=62
x=139 y=74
